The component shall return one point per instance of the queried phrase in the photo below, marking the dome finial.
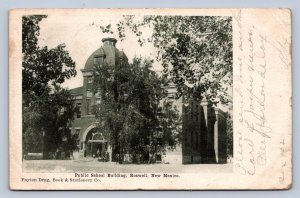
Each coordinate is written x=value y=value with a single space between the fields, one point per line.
x=109 y=41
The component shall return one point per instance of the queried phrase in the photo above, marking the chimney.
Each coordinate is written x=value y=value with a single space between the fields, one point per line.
x=109 y=41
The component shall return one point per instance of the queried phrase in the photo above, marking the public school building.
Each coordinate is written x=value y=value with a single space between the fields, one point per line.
x=203 y=127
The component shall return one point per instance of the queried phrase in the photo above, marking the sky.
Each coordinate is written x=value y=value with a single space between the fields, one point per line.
x=82 y=36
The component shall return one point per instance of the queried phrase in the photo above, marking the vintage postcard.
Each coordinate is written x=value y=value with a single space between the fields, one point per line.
x=151 y=99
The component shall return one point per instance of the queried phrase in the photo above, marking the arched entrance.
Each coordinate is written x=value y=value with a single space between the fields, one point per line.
x=96 y=145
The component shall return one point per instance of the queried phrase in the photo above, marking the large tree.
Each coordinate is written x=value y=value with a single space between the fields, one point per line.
x=47 y=107
x=131 y=113
x=195 y=51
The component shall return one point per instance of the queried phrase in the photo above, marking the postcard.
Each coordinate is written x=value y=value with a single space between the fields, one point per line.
x=150 y=99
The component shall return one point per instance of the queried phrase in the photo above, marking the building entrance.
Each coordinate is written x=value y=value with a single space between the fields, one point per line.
x=96 y=145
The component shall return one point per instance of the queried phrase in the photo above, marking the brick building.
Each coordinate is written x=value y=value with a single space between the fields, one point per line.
x=203 y=128
x=90 y=140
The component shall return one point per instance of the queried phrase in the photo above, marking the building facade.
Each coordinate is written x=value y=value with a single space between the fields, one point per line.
x=92 y=142
x=203 y=127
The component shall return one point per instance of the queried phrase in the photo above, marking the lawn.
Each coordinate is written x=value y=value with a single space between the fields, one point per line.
x=92 y=165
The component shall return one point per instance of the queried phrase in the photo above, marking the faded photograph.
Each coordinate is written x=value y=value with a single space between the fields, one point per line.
x=127 y=94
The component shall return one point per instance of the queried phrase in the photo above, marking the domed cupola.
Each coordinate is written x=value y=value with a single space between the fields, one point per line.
x=107 y=53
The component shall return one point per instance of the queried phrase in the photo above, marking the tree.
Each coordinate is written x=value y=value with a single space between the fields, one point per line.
x=47 y=107
x=130 y=112
x=195 y=52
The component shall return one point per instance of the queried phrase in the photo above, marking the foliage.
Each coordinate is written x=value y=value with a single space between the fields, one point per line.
x=42 y=67
x=47 y=108
x=195 y=51
x=130 y=112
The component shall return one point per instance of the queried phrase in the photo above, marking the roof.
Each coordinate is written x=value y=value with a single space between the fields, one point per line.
x=111 y=53
x=76 y=91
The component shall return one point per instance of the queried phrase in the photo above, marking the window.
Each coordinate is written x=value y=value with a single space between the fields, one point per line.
x=62 y=111
x=98 y=60
x=98 y=101
x=89 y=94
x=97 y=94
x=171 y=96
x=77 y=131
x=90 y=79
x=88 y=106
x=79 y=110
